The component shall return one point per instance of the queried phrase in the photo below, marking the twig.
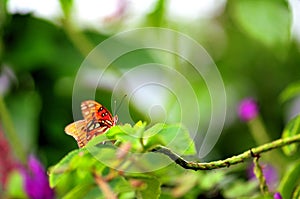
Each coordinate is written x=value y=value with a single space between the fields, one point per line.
x=260 y=176
x=229 y=161
x=104 y=187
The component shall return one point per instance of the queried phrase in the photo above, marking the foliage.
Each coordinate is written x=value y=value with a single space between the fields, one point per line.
x=290 y=180
x=254 y=50
x=138 y=172
x=80 y=167
x=291 y=129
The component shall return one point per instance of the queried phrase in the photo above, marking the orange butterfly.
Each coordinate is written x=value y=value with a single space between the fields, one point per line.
x=97 y=120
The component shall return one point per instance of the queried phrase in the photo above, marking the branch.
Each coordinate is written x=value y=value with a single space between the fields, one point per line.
x=104 y=187
x=254 y=152
x=260 y=176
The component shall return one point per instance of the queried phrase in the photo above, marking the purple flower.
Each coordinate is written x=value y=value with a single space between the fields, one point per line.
x=270 y=175
x=36 y=182
x=247 y=109
x=277 y=196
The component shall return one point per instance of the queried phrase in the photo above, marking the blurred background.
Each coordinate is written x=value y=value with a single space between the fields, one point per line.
x=255 y=45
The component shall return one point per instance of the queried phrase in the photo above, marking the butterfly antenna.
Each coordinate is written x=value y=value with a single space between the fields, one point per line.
x=119 y=106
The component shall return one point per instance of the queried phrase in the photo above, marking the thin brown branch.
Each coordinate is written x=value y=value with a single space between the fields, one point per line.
x=104 y=187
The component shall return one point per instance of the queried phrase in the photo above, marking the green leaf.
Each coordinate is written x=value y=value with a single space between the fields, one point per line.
x=154 y=130
x=58 y=170
x=127 y=133
x=267 y=21
x=14 y=186
x=175 y=137
x=136 y=131
x=115 y=130
x=290 y=180
x=74 y=172
x=127 y=195
x=139 y=128
x=296 y=193
x=89 y=190
x=104 y=154
x=291 y=129
x=289 y=92
x=98 y=140
x=149 y=189
x=66 y=6
x=78 y=158
x=152 y=190
x=120 y=185
x=94 y=193
x=79 y=191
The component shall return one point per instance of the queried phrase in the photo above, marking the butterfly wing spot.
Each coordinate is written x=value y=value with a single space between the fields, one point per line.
x=91 y=105
x=97 y=125
x=93 y=125
x=102 y=130
x=90 y=125
x=83 y=107
x=109 y=122
x=96 y=132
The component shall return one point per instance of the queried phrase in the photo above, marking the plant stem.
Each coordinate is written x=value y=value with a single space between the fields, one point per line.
x=11 y=133
x=229 y=161
x=260 y=176
x=104 y=187
x=77 y=38
x=258 y=131
x=261 y=136
x=84 y=45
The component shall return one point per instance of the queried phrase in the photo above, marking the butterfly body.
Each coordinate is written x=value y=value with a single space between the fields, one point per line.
x=97 y=120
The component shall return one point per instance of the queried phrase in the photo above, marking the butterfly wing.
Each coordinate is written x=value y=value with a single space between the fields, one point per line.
x=97 y=120
x=78 y=131
x=89 y=109
x=92 y=110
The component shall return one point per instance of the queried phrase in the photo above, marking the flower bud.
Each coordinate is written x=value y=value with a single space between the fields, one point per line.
x=248 y=109
x=277 y=196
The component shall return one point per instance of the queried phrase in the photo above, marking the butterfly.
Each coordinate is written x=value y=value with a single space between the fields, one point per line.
x=97 y=120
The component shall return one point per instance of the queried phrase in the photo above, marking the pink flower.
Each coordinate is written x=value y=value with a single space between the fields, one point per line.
x=277 y=196
x=248 y=109
x=36 y=182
